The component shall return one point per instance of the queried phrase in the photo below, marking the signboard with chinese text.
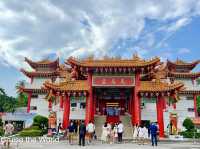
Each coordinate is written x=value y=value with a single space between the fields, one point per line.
x=113 y=81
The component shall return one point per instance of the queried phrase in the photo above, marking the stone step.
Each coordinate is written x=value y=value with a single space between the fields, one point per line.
x=126 y=120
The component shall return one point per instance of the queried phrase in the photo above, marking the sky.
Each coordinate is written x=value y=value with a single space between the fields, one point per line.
x=41 y=29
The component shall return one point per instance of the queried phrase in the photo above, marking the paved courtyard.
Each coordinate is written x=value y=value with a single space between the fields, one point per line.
x=65 y=145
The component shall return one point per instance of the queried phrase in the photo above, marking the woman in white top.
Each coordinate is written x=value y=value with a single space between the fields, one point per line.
x=104 y=135
x=146 y=134
x=135 y=133
x=114 y=133
x=141 y=135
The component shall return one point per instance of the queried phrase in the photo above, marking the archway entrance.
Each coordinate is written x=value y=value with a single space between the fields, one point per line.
x=112 y=102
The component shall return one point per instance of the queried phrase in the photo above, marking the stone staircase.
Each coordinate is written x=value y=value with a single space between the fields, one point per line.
x=128 y=129
x=126 y=120
x=99 y=122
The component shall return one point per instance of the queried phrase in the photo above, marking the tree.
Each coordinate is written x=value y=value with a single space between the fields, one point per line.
x=188 y=124
x=198 y=105
x=2 y=92
x=198 y=81
x=7 y=103
x=40 y=121
x=22 y=97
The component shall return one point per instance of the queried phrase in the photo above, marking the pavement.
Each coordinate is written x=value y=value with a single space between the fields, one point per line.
x=99 y=145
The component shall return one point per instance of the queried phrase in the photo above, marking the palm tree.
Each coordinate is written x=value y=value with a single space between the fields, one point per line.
x=2 y=91
x=22 y=97
x=20 y=85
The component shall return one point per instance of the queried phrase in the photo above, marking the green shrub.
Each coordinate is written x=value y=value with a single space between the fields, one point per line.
x=187 y=134
x=1 y=123
x=1 y=131
x=31 y=133
x=40 y=121
x=39 y=127
x=32 y=128
x=188 y=124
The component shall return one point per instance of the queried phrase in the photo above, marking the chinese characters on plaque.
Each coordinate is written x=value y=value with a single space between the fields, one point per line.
x=113 y=81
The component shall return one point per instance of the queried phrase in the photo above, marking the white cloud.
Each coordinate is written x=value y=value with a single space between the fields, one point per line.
x=184 y=51
x=37 y=29
x=178 y=24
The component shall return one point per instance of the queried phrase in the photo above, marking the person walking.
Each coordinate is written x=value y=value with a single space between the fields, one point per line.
x=82 y=132
x=59 y=127
x=135 y=133
x=104 y=135
x=90 y=130
x=120 y=130
x=153 y=131
x=71 y=131
x=109 y=130
x=114 y=133
x=9 y=129
x=141 y=135
x=146 y=134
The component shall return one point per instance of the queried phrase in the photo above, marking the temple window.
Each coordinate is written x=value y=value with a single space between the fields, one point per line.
x=189 y=98
x=73 y=105
x=190 y=109
x=82 y=105
x=33 y=107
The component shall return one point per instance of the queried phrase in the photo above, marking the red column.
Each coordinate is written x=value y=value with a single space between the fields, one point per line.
x=136 y=111
x=66 y=112
x=29 y=102
x=160 y=119
x=61 y=102
x=94 y=105
x=90 y=99
x=195 y=105
x=87 y=111
x=129 y=103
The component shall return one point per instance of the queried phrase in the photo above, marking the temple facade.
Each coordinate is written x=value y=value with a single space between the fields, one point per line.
x=143 y=90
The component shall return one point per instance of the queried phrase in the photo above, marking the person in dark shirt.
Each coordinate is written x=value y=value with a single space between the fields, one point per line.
x=82 y=132
x=75 y=126
x=71 y=131
x=153 y=131
x=59 y=127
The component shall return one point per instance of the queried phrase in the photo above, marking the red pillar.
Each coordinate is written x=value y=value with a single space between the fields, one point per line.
x=87 y=111
x=195 y=105
x=61 y=102
x=29 y=102
x=160 y=119
x=136 y=111
x=90 y=99
x=66 y=112
x=94 y=105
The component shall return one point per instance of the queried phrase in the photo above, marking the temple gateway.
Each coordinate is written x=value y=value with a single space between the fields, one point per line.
x=132 y=90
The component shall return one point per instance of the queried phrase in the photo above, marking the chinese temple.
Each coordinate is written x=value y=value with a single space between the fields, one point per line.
x=142 y=90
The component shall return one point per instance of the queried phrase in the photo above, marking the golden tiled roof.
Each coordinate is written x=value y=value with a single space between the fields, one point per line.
x=184 y=74
x=112 y=62
x=34 y=90
x=39 y=74
x=190 y=92
x=64 y=72
x=158 y=86
x=46 y=63
x=76 y=85
x=179 y=62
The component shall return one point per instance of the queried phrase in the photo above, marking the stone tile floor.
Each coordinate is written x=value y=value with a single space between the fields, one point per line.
x=98 y=145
